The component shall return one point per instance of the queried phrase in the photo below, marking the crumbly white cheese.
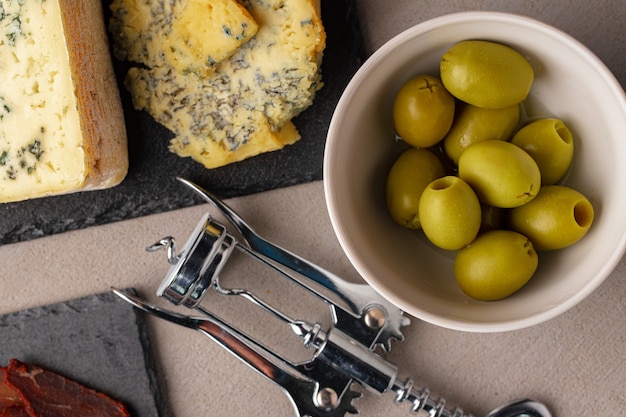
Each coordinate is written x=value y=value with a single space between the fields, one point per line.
x=247 y=103
x=40 y=131
x=189 y=35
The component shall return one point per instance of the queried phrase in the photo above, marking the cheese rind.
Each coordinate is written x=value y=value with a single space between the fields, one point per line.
x=189 y=35
x=61 y=123
x=245 y=106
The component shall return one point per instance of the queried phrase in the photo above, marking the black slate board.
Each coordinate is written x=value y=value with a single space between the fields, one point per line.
x=151 y=187
x=99 y=341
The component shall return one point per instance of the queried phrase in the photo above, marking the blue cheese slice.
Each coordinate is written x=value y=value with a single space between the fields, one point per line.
x=246 y=105
x=189 y=35
x=61 y=123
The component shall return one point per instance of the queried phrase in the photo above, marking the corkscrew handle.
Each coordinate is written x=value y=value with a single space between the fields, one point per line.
x=521 y=408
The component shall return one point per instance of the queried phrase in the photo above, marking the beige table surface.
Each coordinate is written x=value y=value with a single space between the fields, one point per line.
x=576 y=363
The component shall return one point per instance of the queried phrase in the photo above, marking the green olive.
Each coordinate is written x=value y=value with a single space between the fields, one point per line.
x=486 y=74
x=412 y=171
x=475 y=124
x=495 y=265
x=450 y=213
x=551 y=145
x=423 y=111
x=502 y=174
x=558 y=217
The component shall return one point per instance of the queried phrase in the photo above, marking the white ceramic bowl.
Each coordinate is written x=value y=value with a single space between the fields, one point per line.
x=570 y=83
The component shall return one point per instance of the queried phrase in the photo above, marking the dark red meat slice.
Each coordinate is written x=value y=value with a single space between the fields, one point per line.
x=12 y=403
x=29 y=391
x=15 y=412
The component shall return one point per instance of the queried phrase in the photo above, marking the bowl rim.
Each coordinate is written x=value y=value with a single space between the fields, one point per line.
x=331 y=197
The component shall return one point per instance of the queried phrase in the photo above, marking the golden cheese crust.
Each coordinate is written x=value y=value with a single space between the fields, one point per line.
x=97 y=93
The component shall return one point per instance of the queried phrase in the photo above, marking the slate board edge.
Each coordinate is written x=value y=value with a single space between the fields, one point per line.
x=157 y=384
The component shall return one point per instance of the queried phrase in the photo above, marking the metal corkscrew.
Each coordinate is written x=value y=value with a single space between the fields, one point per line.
x=344 y=353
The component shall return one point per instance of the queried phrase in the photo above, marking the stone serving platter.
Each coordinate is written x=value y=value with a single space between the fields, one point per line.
x=99 y=341
x=151 y=185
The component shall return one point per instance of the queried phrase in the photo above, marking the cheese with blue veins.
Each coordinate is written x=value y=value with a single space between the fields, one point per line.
x=245 y=106
x=61 y=122
x=189 y=35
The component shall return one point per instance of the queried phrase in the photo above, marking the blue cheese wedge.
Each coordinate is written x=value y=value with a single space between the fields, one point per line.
x=61 y=122
x=189 y=35
x=245 y=106
x=214 y=128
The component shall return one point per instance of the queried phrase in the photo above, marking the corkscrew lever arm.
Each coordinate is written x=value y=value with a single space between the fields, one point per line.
x=352 y=297
x=300 y=389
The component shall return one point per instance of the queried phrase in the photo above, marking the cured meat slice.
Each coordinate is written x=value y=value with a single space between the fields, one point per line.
x=15 y=412
x=29 y=391
x=12 y=403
